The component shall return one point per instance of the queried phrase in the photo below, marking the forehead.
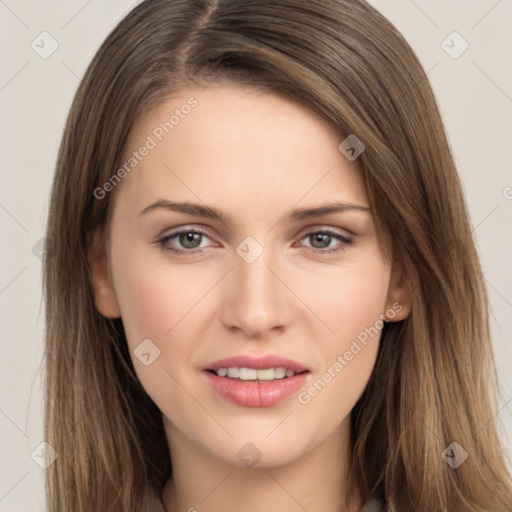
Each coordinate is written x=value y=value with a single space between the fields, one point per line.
x=229 y=142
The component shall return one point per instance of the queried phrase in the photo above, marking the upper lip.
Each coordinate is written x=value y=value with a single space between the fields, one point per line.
x=258 y=363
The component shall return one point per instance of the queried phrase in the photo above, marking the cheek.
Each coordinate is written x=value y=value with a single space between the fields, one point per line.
x=349 y=298
x=154 y=302
x=358 y=303
x=157 y=305
x=156 y=298
x=351 y=304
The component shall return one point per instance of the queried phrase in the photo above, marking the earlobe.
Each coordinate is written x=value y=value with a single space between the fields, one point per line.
x=104 y=294
x=399 y=299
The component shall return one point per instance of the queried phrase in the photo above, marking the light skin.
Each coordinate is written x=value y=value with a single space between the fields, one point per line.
x=257 y=157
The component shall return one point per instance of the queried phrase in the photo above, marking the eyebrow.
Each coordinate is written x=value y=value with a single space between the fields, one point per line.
x=199 y=210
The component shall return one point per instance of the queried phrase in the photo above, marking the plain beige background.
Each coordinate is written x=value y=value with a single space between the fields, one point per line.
x=474 y=91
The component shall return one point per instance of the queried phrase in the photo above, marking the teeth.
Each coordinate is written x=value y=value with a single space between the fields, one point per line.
x=248 y=374
x=280 y=373
x=268 y=374
x=234 y=373
x=252 y=374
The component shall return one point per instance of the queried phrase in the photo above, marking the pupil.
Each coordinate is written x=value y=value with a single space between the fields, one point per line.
x=189 y=239
x=319 y=236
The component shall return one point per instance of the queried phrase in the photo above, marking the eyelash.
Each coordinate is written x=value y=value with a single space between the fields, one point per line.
x=188 y=253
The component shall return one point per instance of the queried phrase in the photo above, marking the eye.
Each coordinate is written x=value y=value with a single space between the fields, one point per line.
x=321 y=240
x=189 y=239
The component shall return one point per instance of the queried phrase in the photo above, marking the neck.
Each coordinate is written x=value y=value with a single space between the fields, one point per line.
x=203 y=482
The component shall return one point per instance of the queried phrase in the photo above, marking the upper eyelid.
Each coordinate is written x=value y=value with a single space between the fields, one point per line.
x=305 y=232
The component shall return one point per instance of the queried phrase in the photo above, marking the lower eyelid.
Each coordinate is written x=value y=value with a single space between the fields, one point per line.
x=342 y=239
x=174 y=235
x=334 y=251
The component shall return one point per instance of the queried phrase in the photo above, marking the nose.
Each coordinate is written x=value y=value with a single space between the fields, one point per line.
x=257 y=300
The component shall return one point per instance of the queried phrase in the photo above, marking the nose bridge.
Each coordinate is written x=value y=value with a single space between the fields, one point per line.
x=258 y=299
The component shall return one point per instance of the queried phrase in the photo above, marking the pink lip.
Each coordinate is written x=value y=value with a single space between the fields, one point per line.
x=256 y=394
x=258 y=363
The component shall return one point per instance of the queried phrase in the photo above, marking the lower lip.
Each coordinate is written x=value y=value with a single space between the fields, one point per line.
x=256 y=394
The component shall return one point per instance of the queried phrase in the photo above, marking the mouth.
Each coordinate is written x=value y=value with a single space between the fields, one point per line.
x=256 y=375
x=256 y=382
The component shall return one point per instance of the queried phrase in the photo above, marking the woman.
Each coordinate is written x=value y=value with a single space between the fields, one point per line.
x=261 y=280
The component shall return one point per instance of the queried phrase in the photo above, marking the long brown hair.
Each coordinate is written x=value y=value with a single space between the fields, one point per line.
x=434 y=382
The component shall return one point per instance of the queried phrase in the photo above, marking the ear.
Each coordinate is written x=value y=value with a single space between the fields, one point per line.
x=399 y=298
x=99 y=273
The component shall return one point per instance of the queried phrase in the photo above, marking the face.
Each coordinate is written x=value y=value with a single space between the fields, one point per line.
x=252 y=272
